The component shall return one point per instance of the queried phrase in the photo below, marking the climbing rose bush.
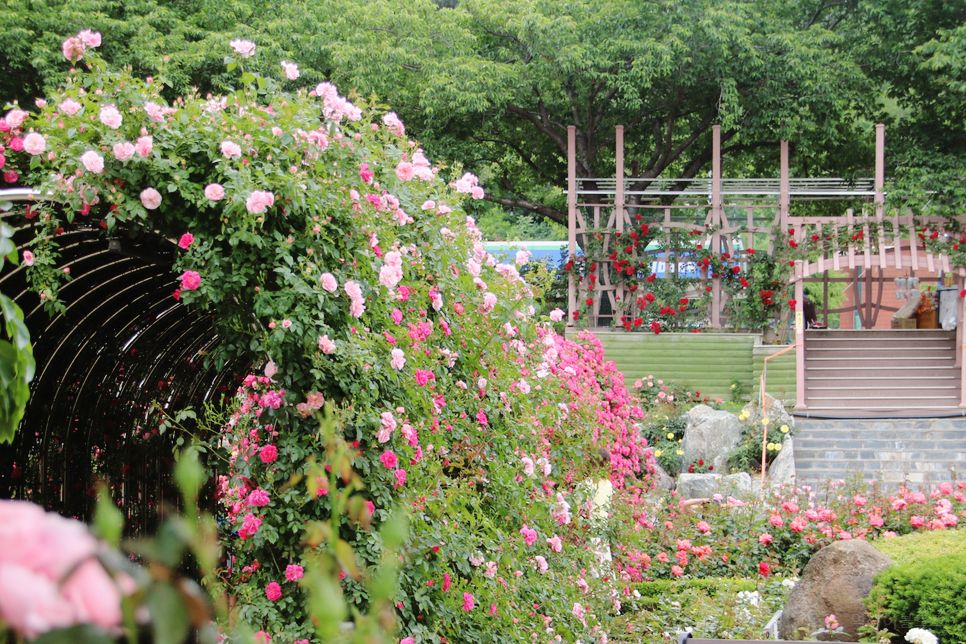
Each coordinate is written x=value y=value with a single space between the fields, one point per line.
x=336 y=259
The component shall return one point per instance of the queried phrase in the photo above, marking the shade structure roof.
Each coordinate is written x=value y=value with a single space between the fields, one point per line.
x=124 y=349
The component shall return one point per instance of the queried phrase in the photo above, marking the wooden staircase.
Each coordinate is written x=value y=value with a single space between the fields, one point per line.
x=882 y=372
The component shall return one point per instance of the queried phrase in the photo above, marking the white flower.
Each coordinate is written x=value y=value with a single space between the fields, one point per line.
x=920 y=636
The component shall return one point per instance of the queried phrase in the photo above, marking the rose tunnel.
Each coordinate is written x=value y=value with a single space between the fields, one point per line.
x=124 y=349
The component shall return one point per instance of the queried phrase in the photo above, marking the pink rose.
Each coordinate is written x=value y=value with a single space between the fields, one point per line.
x=261 y=637
x=230 y=149
x=243 y=48
x=215 y=192
x=144 y=146
x=190 y=281
x=92 y=161
x=273 y=591
x=268 y=454
x=124 y=151
x=186 y=240
x=329 y=282
x=258 y=498
x=400 y=478
x=15 y=118
x=73 y=49
x=90 y=38
x=393 y=124
x=111 y=117
x=259 y=201
x=468 y=603
x=69 y=106
x=151 y=198
x=291 y=70
x=28 y=258
x=405 y=171
x=326 y=345
x=389 y=459
x=398 y=359
x=556 y=315
x=34 y=144
x=555 y=543
x=294 y=572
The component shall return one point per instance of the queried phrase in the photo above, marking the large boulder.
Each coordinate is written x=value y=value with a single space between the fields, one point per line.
x=662 y=480
x=777 y=414
x=710 y=435
x=696 y=486
x=702 y=486
x=782 y=469
x=835 y=581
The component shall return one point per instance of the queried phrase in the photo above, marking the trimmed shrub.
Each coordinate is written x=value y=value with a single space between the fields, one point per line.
x=924 y=594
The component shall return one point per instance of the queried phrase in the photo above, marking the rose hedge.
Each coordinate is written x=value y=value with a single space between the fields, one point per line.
x=329 y=249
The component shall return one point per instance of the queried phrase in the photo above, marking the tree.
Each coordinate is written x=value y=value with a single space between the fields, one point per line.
x=499 y=82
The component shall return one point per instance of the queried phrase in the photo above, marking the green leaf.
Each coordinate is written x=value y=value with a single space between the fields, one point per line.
x=107 y=518
x=80 y=634
x=169 y=614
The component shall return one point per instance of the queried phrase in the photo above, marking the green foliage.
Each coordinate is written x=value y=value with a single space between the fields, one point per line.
x=721 y=608
x=664 y=431
x=911 y=548
x=925 y=593
x=17 y=363
x=746 y=457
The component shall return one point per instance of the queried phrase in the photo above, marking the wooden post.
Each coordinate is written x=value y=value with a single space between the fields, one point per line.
x=571 y=220
x=798 y=314
x=716 y=221
x=619 y=215
x=880 y=189
x=785 y=199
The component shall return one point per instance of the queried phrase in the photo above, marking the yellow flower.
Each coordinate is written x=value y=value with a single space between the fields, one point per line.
x=665 y=418
x=670 y=436
x=680 y=452
x=765 y=421
x=733 y=385
x=771 y=447
x=784 y=429
x=657 y=453
x=680 y=440
x=778 y=447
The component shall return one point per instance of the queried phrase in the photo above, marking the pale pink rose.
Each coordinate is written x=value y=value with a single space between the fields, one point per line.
x=111 y=117
x=90 y=38
x=215 y=191
x=398 y=359
x=329 y=283
x=555 y=543
x=154 y=111
x=28 y=258
x=357 y=308
x=15 y=118
x=69 y=106
x=34 y=144
x=326 y=345
x=528 y=467
x=151 y=198
x=73 y=49
x=542 y=565
x=489 y=302
x=353 y=290
x=477 y=192
x=144 y=146
x=393 y=124
x=389 y=276
x=31 y=603
x=243 y=48
x=326 y=90
x=94 y=595
x=405 y=171
x=393 y=258
x=259 y=201
x=230 y=149
x=291 y=70
x=92 y=161
x=556 y=315
x=124 y=151
x=428 y=205
x=40 y=102
x=522 y=257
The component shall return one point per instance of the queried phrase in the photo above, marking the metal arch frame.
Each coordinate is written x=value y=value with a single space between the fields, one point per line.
x=87 y=380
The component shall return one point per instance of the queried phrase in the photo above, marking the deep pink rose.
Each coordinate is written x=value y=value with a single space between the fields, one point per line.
x=186 y=240
x=190 y=281
x=294 y=572
x=273 y=591
x=268 y=454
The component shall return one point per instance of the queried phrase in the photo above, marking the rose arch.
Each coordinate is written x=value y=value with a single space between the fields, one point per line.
x=294 y=249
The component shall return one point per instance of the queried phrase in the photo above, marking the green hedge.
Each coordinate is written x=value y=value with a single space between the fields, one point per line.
x=653 y=592
x=926 y=585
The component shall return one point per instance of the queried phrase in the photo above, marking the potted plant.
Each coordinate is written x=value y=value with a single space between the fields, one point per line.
x=927 y=312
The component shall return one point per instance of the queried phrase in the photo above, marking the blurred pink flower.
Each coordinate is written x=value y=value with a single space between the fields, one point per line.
x=230 y=149
x=92 y=161
x=291 y=70
x=73 y=49
x=186 y=240
x=144 y=146
x=123 y=151
x=243 y=48
x=329 y=283
x=111 y=117
x=214 y=192
x=151 y=198
x=273 y=591
x=34 y=144
x=268 y=454
x=294 y=572
x=259 y=201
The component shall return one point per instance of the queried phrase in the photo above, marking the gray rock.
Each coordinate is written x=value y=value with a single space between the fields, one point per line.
x=740 y=482
x=697 y=486
x=782 y=470
x=710 y=435
x=836 y=580
x=777 y=414
x=662 y=480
